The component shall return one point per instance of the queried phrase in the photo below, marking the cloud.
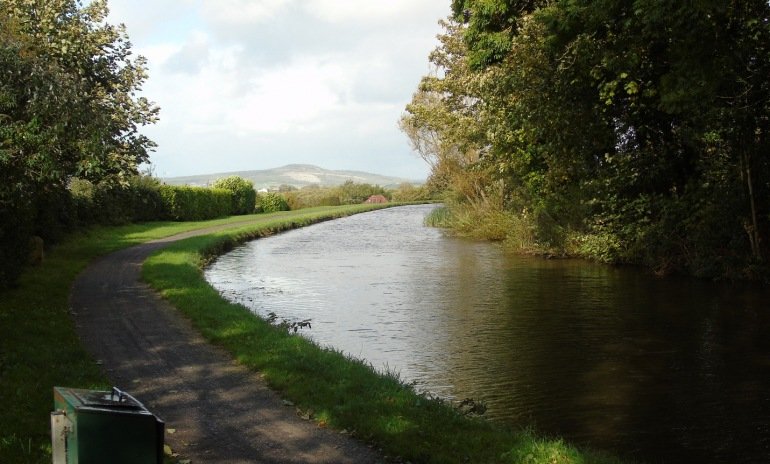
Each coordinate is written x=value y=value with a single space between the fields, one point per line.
x=345 y=11
x=248 y=84
x=249 y=12
x=191 y=57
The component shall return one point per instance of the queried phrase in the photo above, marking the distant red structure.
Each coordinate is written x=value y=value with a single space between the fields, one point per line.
x=376 y=199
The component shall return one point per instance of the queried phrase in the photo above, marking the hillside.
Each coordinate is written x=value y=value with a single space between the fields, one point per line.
x=297 y=175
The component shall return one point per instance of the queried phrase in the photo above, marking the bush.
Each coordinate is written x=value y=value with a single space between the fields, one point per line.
x=183 y=203
x=311 y=196
x=244 y=196
x=110 y=203
x=351 y=193
x=407 y=192
x=47 y=213
x=54 y=213
x=147 y=203
x=272 y=202
x=15 y=233
x=82 y=192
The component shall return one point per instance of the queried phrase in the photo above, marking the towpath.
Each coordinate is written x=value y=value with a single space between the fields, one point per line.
x=219 y=411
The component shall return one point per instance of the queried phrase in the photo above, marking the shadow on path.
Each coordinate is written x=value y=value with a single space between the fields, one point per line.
x=220 y=411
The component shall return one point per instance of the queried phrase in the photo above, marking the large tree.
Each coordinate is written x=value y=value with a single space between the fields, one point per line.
x=68 y=108
x=641 y=122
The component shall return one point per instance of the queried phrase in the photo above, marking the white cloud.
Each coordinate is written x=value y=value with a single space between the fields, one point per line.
x=243 y=11
x=355 y=10
x=296 y=97
x=246 y=84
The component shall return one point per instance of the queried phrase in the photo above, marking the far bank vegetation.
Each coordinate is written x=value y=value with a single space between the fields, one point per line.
x=143 y=198
x=625 y=132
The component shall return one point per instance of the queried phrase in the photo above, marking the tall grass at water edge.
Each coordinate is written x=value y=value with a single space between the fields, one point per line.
x=438 y=217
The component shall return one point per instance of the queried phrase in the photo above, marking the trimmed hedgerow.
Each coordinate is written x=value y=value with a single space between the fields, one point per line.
x=185 y=203
x=244 y=196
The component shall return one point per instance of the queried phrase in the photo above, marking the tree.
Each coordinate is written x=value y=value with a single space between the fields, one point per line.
x=684 y=85
x=244 y=195
x=444 y=119
x=68 y=107
x=491 y=26
x=636 y=127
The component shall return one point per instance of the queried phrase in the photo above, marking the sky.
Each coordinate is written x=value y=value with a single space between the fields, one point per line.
x=258 y=84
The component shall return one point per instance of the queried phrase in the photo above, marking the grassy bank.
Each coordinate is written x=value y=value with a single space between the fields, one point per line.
x=38 y=345
x=335 y=390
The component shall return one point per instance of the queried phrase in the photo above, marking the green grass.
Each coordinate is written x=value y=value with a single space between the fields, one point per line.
x=439 y=217
x=336 y=390
x=38 y=345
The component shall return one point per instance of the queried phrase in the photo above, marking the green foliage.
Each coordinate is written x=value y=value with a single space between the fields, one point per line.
x=16 y=229
x=68 y=108
x=271 y=202
x=624 y=131
x=244 y=195
x=439 y=217
x=407 y=192
x=109 y=203
x=352 y=193
x=349 y=193
x=146 y=201
x=311 y=196
x=491 y=26
x=184 y=203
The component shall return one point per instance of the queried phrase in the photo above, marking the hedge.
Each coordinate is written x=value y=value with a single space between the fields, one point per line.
x=185 y=203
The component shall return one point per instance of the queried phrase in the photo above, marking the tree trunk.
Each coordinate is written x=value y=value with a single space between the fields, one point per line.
x=753 y=228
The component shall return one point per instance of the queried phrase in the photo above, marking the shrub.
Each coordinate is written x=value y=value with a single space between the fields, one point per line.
x=244 y=196
x=271 y=202
x=111 y=203
x=311 y=197
x=147 y=204
x=184 y=203
x=53 y=212
x=351 y=193
x=82 y=192
x=15 y=233
x=407 y=192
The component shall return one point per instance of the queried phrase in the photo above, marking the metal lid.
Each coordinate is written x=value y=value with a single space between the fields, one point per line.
x=108 y=399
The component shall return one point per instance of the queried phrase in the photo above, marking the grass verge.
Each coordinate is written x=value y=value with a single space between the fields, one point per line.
x=38 y=345
x=336 y=390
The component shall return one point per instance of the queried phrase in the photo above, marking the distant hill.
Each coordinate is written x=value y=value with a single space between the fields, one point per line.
x=297 y=175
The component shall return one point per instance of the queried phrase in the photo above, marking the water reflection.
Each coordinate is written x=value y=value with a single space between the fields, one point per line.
x=669 y=370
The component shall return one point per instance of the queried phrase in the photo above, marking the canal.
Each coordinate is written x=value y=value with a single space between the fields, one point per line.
x=660 y=370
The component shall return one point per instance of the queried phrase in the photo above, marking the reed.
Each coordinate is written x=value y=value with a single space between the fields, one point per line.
x=439 y=217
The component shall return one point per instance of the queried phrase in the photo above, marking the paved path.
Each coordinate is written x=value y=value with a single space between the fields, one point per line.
x=220 y=411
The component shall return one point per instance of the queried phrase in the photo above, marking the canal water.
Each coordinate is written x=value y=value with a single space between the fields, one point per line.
x=668 y=370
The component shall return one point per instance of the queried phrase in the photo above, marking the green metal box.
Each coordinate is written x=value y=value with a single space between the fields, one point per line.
x=90 y=427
